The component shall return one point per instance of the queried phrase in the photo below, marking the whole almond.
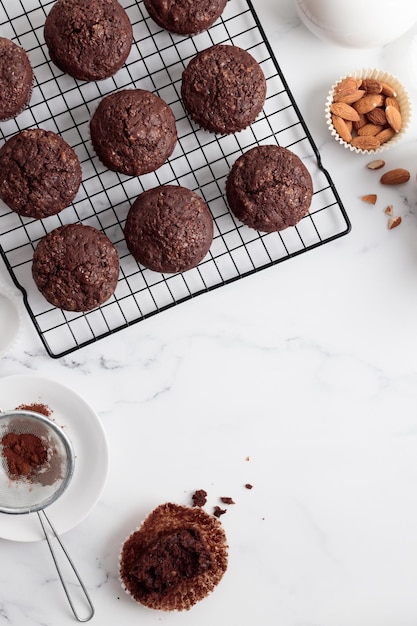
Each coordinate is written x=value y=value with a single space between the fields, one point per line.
x=347 y=84
x=368 y=102
x=387 y=90
x=369 y=130
x=392 y=102
x=349 y=97
x=394 y=118
x=345 y=111
x=370 y=85
x=342 y=128
x=385 y=135
x=365 y=143
x=377 y=116
x=396 y=176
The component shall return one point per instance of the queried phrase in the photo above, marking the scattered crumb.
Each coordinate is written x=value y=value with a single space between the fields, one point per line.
x=249 y=486
x=199 y=497
x=218 y=512
x=389 y=210
x=227 y=500
x=394 y=221
x=247 y=458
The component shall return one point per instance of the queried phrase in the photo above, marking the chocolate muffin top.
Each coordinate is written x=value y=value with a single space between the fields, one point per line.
x=175 y=559
x=223 y=89
x=185 y=17
x=88 y=39
x=76 y=267
x=40 y=173
x=269 y=188
x=133 y=131
x=169 y=229
x=16 y=79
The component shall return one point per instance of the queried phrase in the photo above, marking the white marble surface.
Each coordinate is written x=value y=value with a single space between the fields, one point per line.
x=309 y=369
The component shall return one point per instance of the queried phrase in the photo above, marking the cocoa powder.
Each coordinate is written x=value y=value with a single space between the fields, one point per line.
x=25 y=454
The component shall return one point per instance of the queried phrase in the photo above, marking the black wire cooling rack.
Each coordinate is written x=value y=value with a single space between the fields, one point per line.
x=201 y=162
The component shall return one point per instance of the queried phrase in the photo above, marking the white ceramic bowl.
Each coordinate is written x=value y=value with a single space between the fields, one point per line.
x=356 y=23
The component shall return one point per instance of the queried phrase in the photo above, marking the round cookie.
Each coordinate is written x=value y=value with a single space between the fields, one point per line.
x=16 y=79
x=133 y=131
x=269 y=188
x=76 y=267
x=40 y=173
x=184 y=17
x=88 y=39
x=169 y=229
x=175 y=559
x=223 y=89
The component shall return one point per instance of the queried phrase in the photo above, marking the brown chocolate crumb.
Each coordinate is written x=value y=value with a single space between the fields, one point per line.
x=227 y=500
x=249 y=486
x=218 y=512
x=36 y=407
x=199 y=497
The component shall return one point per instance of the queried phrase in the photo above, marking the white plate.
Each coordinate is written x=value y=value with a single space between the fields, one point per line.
x=87 y=435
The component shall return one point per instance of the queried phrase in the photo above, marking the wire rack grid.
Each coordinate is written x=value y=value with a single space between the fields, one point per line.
x=201 y=161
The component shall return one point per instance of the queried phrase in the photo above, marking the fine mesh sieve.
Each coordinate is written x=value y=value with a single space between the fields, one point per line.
x=36 y=466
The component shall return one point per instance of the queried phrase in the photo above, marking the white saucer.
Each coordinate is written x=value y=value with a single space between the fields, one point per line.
x=87 y=435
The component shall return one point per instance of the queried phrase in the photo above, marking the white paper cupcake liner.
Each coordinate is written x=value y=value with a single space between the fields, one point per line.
x=402 y=97
x=10 y=319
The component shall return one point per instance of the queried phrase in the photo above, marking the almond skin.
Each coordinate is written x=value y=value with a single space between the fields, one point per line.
x=342 y=128
x=369 y=102
x=365 y=142
x=349 y=97
x=345 y=111
x=394 y=118
x=377 y=116
x=369 y=130
x=394 y=221
x=385 y=135
x=396 y=176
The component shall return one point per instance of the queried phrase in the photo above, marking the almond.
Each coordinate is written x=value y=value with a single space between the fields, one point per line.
x=376 y=164
x=365 y=143
x=387 y=90
x=370 y=85
x=394 y=221
x=396 y=176
x=349 y=97
x=368 y=103
x=369 y=130
x=377 y=116
x=392 y=102
x=345 y=111
x=394 y=118
x=370 y=198
x=342 y=128
x=347 y=84
x=389 y=210
x=385 y=135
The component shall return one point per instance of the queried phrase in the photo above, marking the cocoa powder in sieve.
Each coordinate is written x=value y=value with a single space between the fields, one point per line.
x=25 y=454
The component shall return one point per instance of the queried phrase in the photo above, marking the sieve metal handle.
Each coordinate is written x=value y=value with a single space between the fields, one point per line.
x=56 y=536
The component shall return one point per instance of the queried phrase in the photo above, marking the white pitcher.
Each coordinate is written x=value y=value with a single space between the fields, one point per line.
x=358 y=23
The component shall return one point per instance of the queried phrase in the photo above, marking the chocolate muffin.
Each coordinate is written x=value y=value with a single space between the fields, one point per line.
x=16 y=79
x=223 y=89
x=76 y=267
x=269 y=188
x=185 y=17
x=133 y=131
x=88 y=39
x=169 y=229
x=175 y=559
x=40 y=173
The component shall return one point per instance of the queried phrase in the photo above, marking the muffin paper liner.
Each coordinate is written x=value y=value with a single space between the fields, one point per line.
x=402 y=97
